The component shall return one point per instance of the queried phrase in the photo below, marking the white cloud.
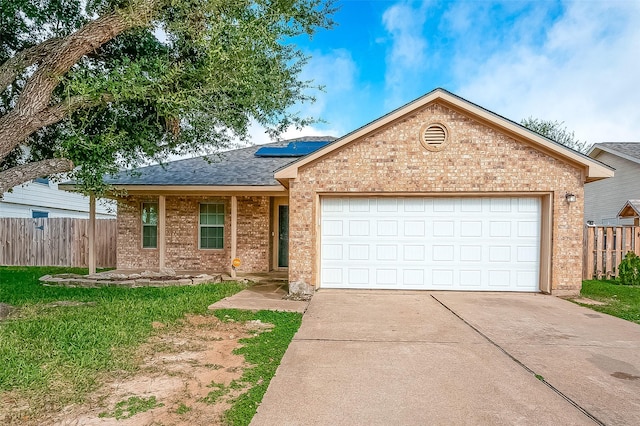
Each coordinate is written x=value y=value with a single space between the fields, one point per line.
x=407 y=55
x=257 y=135
x=336 y=71
x=585 y=73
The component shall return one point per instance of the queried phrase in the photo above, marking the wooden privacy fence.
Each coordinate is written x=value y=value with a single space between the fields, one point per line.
x=605 y=247
x=56 y=242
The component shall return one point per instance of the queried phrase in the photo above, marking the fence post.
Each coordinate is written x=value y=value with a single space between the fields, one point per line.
x=628 y=234
x=599 y=251
x=590 y=233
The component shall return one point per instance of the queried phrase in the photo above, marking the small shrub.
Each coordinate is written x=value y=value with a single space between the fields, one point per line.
x=629 y=270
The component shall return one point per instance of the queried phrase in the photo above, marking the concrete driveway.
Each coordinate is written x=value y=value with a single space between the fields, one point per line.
x=415 y=358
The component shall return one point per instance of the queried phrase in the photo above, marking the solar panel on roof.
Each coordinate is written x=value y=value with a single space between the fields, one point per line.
x=293 y=149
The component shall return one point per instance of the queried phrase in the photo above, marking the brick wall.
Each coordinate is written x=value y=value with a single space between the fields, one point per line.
x=478 y=159
x=182 y=232
x=131 y=255
x=253 y=234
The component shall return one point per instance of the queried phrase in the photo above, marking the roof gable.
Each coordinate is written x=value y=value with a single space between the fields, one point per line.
x=594 y=170
x=630 y=209
x=627 y=150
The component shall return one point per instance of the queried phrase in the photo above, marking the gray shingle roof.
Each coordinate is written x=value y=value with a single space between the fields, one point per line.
x=631 y=149
x=230 y=168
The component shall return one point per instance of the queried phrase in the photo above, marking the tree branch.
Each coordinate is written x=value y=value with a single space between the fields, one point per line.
x=32 y=110
x=12 y=67
x=26 y=172
x=37 y=92
x=56 y=113
x=17 y=127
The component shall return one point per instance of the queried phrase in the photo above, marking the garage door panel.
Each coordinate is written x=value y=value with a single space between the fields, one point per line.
x=470 y=279
x=387 y=252
x=430 y=243
x=413 y=277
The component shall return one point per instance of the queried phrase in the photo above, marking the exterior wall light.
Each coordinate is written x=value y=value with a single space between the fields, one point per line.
x=571 y=198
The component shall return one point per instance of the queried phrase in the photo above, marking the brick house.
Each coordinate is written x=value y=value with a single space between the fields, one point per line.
x=438 y=194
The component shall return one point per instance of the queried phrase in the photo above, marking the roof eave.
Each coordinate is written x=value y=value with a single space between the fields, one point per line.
x=190 y=189
x=597 y=149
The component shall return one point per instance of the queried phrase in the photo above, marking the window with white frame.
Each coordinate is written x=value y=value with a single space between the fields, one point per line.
x=211 y=226
x=149 y=225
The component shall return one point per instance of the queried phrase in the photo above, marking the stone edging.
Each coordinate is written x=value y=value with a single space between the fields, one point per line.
x=143 y=279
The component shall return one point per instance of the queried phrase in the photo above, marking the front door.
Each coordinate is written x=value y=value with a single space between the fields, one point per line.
x=283 y=236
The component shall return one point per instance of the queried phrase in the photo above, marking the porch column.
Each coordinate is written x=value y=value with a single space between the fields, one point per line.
x=234 y=232
x=162 y=242
x=92 y=234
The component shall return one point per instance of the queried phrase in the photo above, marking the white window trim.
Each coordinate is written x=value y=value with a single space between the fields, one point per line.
x=224 y=213
x=142 y=225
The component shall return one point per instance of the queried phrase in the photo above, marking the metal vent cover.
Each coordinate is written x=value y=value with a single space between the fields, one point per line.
x=434 y=136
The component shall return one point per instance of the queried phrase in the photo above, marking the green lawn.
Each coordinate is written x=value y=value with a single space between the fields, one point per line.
x=621 y=300
x=53 y=356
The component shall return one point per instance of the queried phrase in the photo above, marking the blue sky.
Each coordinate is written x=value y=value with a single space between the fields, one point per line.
x=575 y=62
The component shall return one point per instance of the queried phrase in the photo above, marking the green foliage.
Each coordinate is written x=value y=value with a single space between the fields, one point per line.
x=190 y=80
x=60 y=352
x=555 y=131
x=264 y=352
x=218 y=391
x=629 y=269
x=131 y=407
x=620 y=301
x=182 y=409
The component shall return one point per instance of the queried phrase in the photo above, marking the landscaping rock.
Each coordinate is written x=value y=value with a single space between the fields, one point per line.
x=168 y=271
x=150 y=274
x=144 y=279
x=300 y=288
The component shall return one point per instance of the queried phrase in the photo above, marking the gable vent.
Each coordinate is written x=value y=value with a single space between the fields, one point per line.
x=433 y=137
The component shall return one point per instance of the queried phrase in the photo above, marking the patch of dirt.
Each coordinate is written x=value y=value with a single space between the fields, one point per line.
x=587 y=301
x=68 y=303
x=178 y=368
x=5 y=310
x=298 y=297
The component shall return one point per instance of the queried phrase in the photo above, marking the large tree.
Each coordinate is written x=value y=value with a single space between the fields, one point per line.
x=556 y=131
x=90 y=86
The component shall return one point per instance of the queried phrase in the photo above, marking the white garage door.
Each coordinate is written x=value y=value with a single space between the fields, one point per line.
x=490 y=244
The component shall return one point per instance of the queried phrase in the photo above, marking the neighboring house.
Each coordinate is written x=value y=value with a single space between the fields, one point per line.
x=41 y=198
x=605 y=199
x=439 y=194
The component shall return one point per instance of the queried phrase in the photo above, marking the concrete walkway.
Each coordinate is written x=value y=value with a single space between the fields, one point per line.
x=266 y=295
x=415 y=358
